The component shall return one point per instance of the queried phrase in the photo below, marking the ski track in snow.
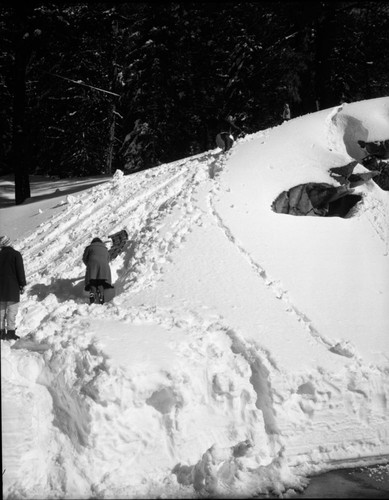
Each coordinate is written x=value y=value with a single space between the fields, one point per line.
x=120 y=206
x=153 y=250
x=84 y=222
x=104 y=211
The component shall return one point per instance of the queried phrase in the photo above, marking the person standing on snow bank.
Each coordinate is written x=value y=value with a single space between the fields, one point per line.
x=98 y=272
x=231 y=121
x=286 y=115
x=224 y=140
x=12 y=283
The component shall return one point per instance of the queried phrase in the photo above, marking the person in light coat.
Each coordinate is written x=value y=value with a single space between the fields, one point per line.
x=98 y=272
x=12 y=283
x=286 y=115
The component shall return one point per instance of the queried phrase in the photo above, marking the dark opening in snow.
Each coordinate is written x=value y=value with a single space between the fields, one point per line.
x=317 y=199
x=342 y=207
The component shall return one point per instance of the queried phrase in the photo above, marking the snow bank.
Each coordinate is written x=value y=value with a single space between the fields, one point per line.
x=244 y=350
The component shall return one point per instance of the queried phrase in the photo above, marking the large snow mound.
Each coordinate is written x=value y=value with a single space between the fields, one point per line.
x=244 y=349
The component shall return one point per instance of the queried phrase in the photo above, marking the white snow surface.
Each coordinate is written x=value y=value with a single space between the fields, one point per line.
x=244 y=350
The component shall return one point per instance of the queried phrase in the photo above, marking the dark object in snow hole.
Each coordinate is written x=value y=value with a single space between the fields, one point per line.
x=342 y=206
x=316 y=199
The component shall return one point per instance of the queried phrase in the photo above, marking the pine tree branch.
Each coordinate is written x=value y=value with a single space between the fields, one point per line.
x=84 y=84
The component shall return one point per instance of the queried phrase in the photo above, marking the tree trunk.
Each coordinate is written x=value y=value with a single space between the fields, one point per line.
x=367 y=64
x=111 y=139
x=112 y=129
x=320 y=65
x=19 y=143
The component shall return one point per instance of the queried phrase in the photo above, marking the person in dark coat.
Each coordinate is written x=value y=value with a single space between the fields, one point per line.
x=379 y=149
x=225 y=140
x=12 y=283
x=98 y=271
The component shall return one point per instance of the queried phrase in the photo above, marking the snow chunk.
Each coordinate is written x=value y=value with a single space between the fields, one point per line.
x=71 y=200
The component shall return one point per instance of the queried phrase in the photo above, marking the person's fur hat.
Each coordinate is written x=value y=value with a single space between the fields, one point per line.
x=4 y=241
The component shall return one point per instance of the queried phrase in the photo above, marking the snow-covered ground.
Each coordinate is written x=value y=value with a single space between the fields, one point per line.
x=245 y=349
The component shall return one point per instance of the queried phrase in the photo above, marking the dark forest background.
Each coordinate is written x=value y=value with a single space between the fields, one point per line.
x=86 y=88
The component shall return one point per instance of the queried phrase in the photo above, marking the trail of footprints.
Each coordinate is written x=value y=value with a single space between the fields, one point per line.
x=274 y=286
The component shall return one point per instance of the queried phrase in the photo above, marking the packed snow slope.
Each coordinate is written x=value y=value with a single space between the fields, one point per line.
x=245 y=349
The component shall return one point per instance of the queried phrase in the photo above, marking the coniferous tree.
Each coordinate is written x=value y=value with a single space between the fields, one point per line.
x=23 y=37
x=131 y=85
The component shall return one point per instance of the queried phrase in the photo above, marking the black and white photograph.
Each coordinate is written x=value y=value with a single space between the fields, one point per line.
x=194 y=249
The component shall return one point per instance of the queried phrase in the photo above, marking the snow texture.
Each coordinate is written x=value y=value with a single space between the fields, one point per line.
x=244 y=350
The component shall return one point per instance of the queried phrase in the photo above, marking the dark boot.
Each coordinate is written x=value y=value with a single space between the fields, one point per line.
x=11 y=335
x=3 y=335
x=91 y=298
x=100 y=294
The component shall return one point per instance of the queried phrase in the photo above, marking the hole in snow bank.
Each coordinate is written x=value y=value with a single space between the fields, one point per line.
x=306 y=389
x=163 y=400
x=316 y=199
x=343 y=206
